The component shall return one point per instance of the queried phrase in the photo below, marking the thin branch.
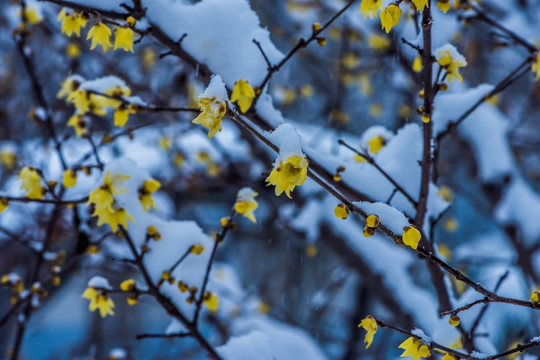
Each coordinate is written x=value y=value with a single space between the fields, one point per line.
x=162 y=336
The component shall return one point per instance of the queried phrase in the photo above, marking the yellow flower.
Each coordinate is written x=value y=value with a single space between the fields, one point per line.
x=536 y=66
x=8 y=158
x=80 y=98
x=127 y=285
x=535 y=297
x=121 y=114
x=246 y=204
x=370 y=8
x=390 y=17
x=411 y=236
x=341 y=211
x=420 y=4
x=414 y=348
x=243 y=93
x=118 y=216
x=288 y=174
x=448 y=357
x=311 y=250
x=372 y=221
x=197 y=249
x=451 y=62
x=376 y=143
x=417 y=64
x=103 y=200
x=443 y=5
x=4 y=203
x=73 y=50
x=446 y=193
x=124 y=38
x=164 y=142
x=145 y=194
x=100 y=35
x=370 y=325
x=378 y=42
x=72 y=22
x=31 y=15
x=212 y=112
x=70 y=178
x=211 y=301
x=454 y=320
x=31 y=183
x=79 y=125
x=99 y=300
x=67 y=87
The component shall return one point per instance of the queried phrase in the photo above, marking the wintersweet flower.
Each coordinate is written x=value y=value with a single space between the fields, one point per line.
x=79 y=124
x=32 y=15
x=411 y=236
x=414 y=348
x=104 y=204
x=451 y=60
x=100 y=35
x=243 y=93
x=4 y=203
x=212 y=112
x=390 y=17
x=145 y=194
x=67 y=87
x=448 y=357
x=72 y=22
x=288 y=174
x=420 y=4
x=70 y=178
x=370 y=325
x=246 y=204
x=31 y=183
x=80 y=98
x=536 y=66
x=124 y=38
x=370 y=8
x=99 y=300
x=211 y=301
x=341 y=211
x=376 y=143
x=127 y=285
x=443 y=5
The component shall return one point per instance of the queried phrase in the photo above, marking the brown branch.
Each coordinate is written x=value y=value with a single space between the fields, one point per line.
x=162 y=336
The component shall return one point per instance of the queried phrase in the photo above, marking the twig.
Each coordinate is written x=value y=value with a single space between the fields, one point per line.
x=161 y=336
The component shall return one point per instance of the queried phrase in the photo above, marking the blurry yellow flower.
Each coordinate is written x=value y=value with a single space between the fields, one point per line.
x=79 y=125
x=443 y=5
x=370 y=8
x=8 y=159
x=212 y=112
x=211 y=301
x=370 y=325
x=451 y=62
x=243 y=93
x=100 y=35
x=4 y=203
x=288 y=174
x=417 y=64
x=73 y=50
x=411 y=236
x=99 y=300
x=31 y=14
x=378 y=42
x=72 y=22
x=31 y=183
x=536 y=66
x=69 y=178
x=375 y=144
x=341 y=211
x=246 y=204
x=145 y=194
x=127 y=285
x=420 y=4
x=124 y=38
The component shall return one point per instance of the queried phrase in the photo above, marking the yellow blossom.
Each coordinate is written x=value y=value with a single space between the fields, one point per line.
x=164 y=142
x=375 y=144
x=341 y=211
x=243 y=93
x=448 y=357
x=535 y=297
x=372 y=221
x=311 y=250
x=451 y=62
x=79 y=124
x=72 y=22
x=99 y=300
x=124 y=38
x=211 y=301
x=390 y=17
x=127 y=285
x=103 y=200
x=378 y=42
x=8 y=159
x=4 y=203
x=368 y=231
x=197 y=249
x=100 y=35
x=443 y=5
x=132 y=299
x=411 y=236
x=67 y=87
x=370 y=8
x=31 y=183
x=420 y=4
x=288 y=174
x=414 y=348
x=375 y=109
x=73 y=50
x=212 y=112
x=80 y=98
x=69 y=178
x=417 y=65
x=307 y=91
x=370 y=325
x=454 y=320
x=145 y=194
x=245 y=203
x=536 y=66
x=446 y=193
x=31 y=15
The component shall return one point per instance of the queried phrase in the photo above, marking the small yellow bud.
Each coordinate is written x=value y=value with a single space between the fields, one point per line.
x=131 y=21
x=166 y=275
x=311 y=250
x=321 y=41
x=132 y=299
x=3 y=204
x=264 y=308
x=426 y=118
x=224 y=221
x=368 y=231
x=372 y=221
x=56 y=280
x=454 y=320
x=535 y=297
x=443 y=86
x=341 y=211
x=211 y=301
x=197 y=249
x=127 y=285
x=316 y=27
x=411 y=236
x=182 y=286
x=92 y=249
x=151 y=230
x=421 y=94
x=337 y=177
